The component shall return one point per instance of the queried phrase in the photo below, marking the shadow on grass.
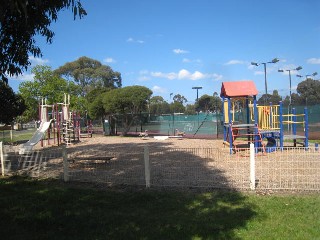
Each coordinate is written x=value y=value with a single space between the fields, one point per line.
x=52 y=210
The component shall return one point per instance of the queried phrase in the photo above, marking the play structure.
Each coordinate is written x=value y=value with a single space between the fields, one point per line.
x=262 y=125
x=58 y=124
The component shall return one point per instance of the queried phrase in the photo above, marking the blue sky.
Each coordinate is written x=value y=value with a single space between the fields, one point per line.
x=171 y=46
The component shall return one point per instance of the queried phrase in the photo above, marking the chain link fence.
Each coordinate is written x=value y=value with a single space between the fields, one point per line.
x=294 y=169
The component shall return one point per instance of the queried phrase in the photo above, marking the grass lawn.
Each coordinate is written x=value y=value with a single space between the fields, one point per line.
x=17 y=136
x=54 y=210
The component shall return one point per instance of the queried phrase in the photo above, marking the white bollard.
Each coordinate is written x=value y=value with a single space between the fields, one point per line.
x=252 y=168
x=147 y=166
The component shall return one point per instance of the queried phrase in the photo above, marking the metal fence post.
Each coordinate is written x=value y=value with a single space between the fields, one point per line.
x=252 y=168
x=2 y=158
x=65 y=164
x=147 y=166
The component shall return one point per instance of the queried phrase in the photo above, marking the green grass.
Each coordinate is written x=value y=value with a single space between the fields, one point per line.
x=53 y=210
x=17 y=136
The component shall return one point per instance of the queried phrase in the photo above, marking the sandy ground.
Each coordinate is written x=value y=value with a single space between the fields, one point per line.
x=129 y=141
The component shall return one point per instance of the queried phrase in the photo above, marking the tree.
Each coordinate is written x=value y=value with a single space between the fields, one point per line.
x=158 y=106
x=190 y=109
x=205 y=103
x=128 y=101
x=309 y=91
x=96 y=109
x=90 y=74
x=217 y=102
x=20 y=22
x=12 y=105
x=48 y=85
x=180 y=99
x=177 y=107
x=296 y=99
x=274 y=99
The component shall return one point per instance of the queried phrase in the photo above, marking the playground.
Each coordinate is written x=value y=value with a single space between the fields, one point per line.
x=282 y=159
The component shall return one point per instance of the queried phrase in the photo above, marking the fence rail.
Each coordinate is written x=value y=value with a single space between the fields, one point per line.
x=296 y=169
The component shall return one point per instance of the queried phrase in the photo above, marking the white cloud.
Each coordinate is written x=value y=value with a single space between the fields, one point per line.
x=132 y=40
x=143 y=78
x=179 y=51
x=109 y=60
x=170 y=76
x=313 y=60
x=143 y=72
x=187 y=60
x=157 y=89
x=234 y=61
x=37 y=61
x=259 y=73
x=217 y=77
x=184 y=74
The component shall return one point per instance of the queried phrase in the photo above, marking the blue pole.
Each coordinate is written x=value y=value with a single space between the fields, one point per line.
x=255 y=109
x=281 y=125
x=230 y=125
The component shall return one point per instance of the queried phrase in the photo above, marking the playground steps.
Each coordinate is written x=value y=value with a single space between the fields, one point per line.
x=249 y=131
x=68 y=132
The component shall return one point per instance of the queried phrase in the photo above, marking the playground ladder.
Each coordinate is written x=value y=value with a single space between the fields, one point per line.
x=250 y=131
x=68 y=132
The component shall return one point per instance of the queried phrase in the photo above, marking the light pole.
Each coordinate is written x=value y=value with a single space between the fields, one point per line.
x=289 y=70
x=275 y=60
x=308 y=75
x=197 y=88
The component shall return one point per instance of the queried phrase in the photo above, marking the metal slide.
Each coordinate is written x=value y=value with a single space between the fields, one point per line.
x=37 y=136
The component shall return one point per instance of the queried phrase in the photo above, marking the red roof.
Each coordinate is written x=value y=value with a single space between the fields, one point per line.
x=238 y=89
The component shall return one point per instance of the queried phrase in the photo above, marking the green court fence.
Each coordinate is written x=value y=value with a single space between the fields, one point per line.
x=202 y=124
x=206 y=124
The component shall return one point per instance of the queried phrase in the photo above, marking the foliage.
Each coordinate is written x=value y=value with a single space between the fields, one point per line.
x=96 y=109
x=51 y=87
x=177 y=107
x=309 y=91
x=274 y=99
x=179 y=98
x=158 y=106
x=190 y=109
x=128 y=101
x=90 y=74
x=12 y=105
x=208 y=103
x=20 y=22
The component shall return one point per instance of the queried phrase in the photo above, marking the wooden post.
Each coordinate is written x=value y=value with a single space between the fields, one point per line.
x=252 y=168
x=147 y=166
x=65 y=164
